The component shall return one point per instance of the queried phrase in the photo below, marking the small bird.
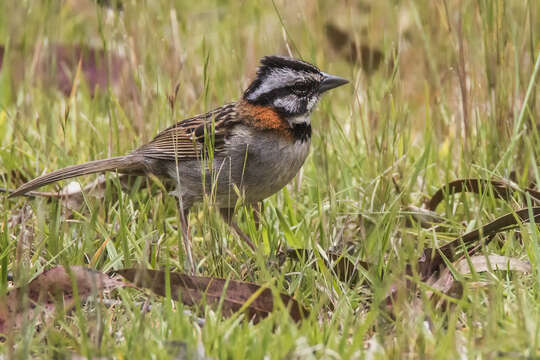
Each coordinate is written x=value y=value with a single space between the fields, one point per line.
x=248 y=149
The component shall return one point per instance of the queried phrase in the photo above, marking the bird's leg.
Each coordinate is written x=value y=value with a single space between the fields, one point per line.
x=227 y=214
x=184 y=226
x=257 y=213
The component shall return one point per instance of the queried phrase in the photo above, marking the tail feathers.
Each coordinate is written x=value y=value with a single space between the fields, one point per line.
x=123 y=164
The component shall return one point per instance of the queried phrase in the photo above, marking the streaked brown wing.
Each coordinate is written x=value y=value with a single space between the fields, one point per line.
x=190 y=138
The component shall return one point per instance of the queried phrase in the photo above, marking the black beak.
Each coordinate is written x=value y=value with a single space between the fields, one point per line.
x=330 y=82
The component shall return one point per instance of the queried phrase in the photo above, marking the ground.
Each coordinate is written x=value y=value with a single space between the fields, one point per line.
x=439 y=91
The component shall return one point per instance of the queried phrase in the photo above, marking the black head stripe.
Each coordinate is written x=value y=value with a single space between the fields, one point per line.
x=283 y=62
x=269 y=63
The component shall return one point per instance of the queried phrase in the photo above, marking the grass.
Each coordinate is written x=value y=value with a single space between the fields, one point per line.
x=446 y=102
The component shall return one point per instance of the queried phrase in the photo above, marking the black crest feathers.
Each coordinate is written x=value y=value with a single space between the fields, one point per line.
x=275 y=61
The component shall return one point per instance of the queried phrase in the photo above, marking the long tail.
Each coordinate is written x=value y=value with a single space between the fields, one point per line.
x=123 y=164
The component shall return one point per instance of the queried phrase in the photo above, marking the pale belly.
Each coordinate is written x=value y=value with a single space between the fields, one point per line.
x=256 y=167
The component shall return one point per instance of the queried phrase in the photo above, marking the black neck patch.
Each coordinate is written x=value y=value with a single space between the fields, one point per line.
x=301 y=131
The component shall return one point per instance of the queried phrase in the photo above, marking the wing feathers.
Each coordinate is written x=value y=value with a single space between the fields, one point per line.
x=189 y=139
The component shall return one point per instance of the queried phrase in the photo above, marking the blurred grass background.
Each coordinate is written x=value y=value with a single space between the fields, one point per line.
x=437 y=93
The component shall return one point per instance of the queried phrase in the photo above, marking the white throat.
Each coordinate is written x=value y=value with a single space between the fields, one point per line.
x=301 y=119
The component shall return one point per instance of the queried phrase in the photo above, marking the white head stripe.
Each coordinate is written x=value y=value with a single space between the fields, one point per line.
x=277 y=78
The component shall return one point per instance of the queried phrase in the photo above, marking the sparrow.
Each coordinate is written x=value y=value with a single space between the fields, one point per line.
x=247 y=150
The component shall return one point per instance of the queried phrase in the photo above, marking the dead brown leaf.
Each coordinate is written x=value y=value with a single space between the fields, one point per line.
x=52 y=287
x=447 y=284
x=255 y=300
x=479 y=264
x=431 y=265
x=492 y=263
x=433 y=258
x=501 y=189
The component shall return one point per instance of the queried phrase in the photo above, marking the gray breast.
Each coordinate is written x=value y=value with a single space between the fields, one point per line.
x=255 y=164
x=272 y=161
x=264 y=162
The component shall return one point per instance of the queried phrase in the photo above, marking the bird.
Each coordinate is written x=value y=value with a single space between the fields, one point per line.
x=247 y=150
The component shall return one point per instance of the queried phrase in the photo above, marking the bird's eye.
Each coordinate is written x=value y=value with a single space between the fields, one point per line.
x=300 y=88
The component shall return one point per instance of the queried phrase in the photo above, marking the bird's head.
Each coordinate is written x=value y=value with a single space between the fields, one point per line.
x=290 y=87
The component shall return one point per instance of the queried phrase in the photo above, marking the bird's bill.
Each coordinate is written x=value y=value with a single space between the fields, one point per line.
x=330 y=82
